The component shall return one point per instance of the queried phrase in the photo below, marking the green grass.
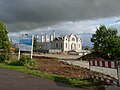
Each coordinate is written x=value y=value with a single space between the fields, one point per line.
x=84 y=83
x=21 y=69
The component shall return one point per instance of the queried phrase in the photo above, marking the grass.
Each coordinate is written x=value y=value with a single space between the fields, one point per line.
x=84 y=83
x=23 y=69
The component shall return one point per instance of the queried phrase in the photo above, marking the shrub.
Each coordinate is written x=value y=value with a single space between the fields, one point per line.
x=16 y=63
x=24 y=61
x=3 y=57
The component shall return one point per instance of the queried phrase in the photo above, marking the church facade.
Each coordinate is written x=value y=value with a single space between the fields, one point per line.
x=63 y=43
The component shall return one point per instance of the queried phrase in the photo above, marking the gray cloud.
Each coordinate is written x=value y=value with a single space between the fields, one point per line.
x=30 y=14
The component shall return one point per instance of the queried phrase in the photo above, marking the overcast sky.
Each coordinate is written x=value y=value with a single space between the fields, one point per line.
x=65 y=16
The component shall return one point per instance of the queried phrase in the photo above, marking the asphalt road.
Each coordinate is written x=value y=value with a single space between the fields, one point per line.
x=14 y=80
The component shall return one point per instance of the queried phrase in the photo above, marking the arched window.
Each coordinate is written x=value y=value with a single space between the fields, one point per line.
x=73 y=39
x=73 y=46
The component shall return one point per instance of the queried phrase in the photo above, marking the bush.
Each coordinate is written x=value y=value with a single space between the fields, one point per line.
x=24 y=61
x=3 y=57
x=16 y=63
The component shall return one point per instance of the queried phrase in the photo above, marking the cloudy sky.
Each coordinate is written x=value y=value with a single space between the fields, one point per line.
x=64 y=16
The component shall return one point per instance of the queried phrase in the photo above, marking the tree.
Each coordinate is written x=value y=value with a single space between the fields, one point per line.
x=107 y=42
x=4 y=40
x=11 y=43
x=35 y=44
x=86 y=48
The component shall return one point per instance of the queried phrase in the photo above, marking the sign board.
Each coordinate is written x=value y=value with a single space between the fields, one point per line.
x=26 y=43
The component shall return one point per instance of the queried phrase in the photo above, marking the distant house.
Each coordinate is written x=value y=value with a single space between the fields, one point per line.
x=64 y=43
x=16 y=45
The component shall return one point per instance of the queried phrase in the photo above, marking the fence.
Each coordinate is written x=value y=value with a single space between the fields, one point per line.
x=110 y=68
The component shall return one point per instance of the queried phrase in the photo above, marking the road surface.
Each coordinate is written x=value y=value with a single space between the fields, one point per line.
x=14 y=80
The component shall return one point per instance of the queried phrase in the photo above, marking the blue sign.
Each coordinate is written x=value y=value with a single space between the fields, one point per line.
x=26 y=43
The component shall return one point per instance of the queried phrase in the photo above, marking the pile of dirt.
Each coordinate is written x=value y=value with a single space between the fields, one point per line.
x=56 y=67
x=63 y=53
x=44 y=57
x=53 y=66
x=91 y=56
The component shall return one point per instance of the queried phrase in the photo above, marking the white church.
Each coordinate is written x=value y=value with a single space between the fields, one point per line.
x=63 y=43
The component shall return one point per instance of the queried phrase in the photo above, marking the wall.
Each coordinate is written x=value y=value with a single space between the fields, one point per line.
x=64 y=44
x=59 y=42
x=54 y=51
x=107 y=71
x=106 y=67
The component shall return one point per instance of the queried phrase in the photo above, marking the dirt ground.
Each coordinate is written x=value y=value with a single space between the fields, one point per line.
x=53 y=66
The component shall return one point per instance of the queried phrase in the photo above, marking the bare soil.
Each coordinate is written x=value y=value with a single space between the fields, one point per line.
x=53 y=66
x=92 y=56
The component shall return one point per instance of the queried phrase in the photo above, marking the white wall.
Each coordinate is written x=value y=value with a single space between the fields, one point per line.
x=107 y=71
x=70 y=41
x=79 y=43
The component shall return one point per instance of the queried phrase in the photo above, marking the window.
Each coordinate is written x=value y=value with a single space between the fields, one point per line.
x=61 y=45
x=66 y=45
x=79 y=45
x=56 y=45
x=73 y=39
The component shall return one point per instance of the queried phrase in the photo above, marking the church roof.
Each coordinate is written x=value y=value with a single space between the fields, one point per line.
x=58 y=38
x=68 y=36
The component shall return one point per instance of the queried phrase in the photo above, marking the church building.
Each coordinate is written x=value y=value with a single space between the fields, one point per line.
x=63 y=43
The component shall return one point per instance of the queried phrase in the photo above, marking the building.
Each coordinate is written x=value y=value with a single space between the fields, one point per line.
x=64 y=43
x=16 y=45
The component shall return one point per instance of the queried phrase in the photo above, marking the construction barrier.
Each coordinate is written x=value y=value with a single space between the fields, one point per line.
x=110 y=68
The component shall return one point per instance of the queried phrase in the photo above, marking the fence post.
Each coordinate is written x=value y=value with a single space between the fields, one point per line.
x=118 y=66
x=90 y=70
x=19 y=55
